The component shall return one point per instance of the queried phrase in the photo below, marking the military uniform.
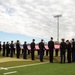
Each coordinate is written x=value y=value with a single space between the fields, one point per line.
x=41 y=47
x=62 y=51
x=68 y=46
x=7 y=50
x=73 y=51
x=51 y=47
x=32 y=49
x=18 y=49
x=24 y=51
x=3 y=53
x=0 y=46
x=11 y=49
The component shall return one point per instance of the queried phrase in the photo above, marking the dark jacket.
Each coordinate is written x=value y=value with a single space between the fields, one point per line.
x=51 y=45
x=25 y=46
x=18 y=46
x=3 y=46
x=0 y=46
x=12 y=46
x=73 y=46
x=32 y=45
x=7 y=46
x=68 y=46
x=63 y=46
x=41 y=46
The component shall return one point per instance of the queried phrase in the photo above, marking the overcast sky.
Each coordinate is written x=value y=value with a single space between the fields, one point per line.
x=34 y=18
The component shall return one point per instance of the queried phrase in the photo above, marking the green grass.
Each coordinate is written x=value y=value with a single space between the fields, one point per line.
x=42 y=69
x=45 y=69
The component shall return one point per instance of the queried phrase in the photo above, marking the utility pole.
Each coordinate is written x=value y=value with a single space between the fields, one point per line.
x=57 y=16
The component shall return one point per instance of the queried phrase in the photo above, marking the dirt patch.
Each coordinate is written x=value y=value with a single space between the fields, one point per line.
x=12 y=59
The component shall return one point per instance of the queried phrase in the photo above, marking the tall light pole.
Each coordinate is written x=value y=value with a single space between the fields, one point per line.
x=57 y=16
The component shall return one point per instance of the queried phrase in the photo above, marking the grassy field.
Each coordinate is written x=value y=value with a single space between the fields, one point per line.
x=29 y=67
x=43 y=69
x=38 y=68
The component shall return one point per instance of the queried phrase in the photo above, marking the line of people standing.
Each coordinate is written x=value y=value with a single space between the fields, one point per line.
x=64 y=46
x=8 y=49
x=67 y=46
x=70 y=47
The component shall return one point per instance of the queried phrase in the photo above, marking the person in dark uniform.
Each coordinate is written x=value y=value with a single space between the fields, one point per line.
x=68 y=46
x=11 y=49
x=0 y=46
x=25 y=50
x=32 y=49
x=73 y=50
x=62 y=51
x=7 y=49
x=41 y=47
x=18 y=49
x=51 y=49
x=3 y=53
